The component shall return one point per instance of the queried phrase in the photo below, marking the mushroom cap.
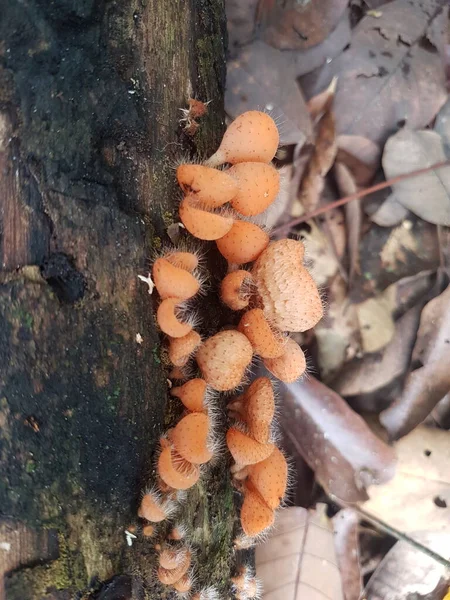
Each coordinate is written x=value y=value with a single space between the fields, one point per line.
x=171 y=558
x=148 y=530
x=290 y=366
x=259 y=409
x=266 y=342
x=259 y=184
x=184 y=584
x=192 y=394
x=171 y=280
x=245 y=450
x=202 y=223
x=289 y=295
x=151 y=509
x=181 y=349
x=253 y=136
x=167 y=319
x=183 y=260
x=223 y=359
x=243 y=243
x=235 y=289
x=171 y=576
x=209 y=186
x=190 y=438
x=174 y=470
x=256 y=516
x=269 y=478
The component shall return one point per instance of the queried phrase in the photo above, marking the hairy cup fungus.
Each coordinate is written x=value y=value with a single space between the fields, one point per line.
x=171 y=576
x=290 y=365
x=256 y=516
x=148 y=530
x=236 y=289
x=177 y=533
x=253 y=136
x=259 y=184
x=223 y=359
x=246 y=585
x=245 y=450
x=258 y=409
x=201 y=222
x=269 y=478
x=171 y=280
x=266 y=342
x=183 y=260
x=174 y=470
x=290 y=298
x=192 y=394
x=172 y=557
x=154 y=508
x=208 y=186
x=243 y=243
x=191 y=438
x=181 y=349
x=168 y=318
x=184 y=585
x=208 y=593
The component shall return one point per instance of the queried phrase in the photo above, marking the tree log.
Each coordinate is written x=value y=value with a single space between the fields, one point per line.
x=90 y=98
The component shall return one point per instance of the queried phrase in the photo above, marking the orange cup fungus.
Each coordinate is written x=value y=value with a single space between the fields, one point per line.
x=253 y=136
x=174 y=470
x=201 y=221
x=245 y=450
x=154 y=508
x=258 y=186
x=256 y=516
x=168 y=317
x=224 y=358
x=171 y=280
x=269 y=478
x=181 y=349
x=243 y=243
x=290 y=298
x=190 y=438
x=192 y=394
x=208 y=186
x=256 y=408
x=290 y=366
x=266 y=342
x=236 y=289
x=183 y=260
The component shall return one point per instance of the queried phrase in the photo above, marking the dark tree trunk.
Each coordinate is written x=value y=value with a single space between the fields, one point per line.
x=90 y=92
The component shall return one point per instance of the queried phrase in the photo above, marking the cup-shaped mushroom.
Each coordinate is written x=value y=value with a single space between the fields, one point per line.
x=258 y=186
x=244 y=449
x=155 y=509
x=269 y=478
x=202 y=222
x=256 y=516
x=266 y=341
x=209 y=186
x=183 y=260
x=290 y=366
x=174 y=470
x=236 y=289
x=171 y=280
x=260 y=409
x=181 y=349
x=253 y=136
x=192 y=394
x=224 y=358
x=191 y=438
x=243 y=243
x=169 y=318
x=171 y=576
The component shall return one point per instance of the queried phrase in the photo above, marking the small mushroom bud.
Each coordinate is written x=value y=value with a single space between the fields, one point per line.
x=253 y=136
x=256 y=407
x=243 y=243
x=259 y=185
x=171 y=576
x=208 y=186
x=236 y=289
x=168 y=318
x=155 y=508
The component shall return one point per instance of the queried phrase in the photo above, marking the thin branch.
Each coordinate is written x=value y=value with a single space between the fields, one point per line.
x=358 y=194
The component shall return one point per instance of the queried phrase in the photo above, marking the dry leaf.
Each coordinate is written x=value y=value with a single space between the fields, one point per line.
x=261 y=78
x=336 y=442
x=353 y=215
x=388 y=57
x=298 y=561
x=442 y=126
x=360 y=155
x=321 y=260
x=300 y=27
x=441 y=412
x=407 y=573
x=431 y=382
x=376 y=323
x=409 y=501
x=240 y=21
x=390 y=213
x=346 y=543
x=427 y=195
x=375 y=371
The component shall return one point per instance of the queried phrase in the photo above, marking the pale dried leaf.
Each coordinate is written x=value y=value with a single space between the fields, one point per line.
x=407 y=501
x=303 y=26
x=401 y=241
x=346 y=543
x=427 y=195
x=261 y=78
x=441 y=412
x=376 y=323
x=321 y=260
x=390 y=213
x=298 y=561
x=430 y=383
x=360 y=155
x=353 y=215
x=335 y=442
x=388 y=57
x=407 y=573
x=375 y=371
x=442 y=127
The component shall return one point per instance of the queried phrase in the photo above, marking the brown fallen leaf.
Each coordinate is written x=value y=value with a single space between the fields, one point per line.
x=428 y=195
x=374 y=372
x=429 y=383
x=299 y=27
x=298 y=561
x=353 y=216
x=346 y=543
x=240 y=22
x=336 y=442
x=390 y=213
x=360 y=155
x=406 y=573
x=261 y=78
x=441 y=412
x=388 y=57
x=418 y=496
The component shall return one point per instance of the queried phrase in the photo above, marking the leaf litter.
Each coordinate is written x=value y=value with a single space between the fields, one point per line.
x=376 y=416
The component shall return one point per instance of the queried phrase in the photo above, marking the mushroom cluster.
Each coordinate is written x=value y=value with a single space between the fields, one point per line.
x=269 y=284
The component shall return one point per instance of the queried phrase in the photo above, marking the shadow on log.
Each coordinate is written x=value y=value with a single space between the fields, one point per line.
x=90 y=98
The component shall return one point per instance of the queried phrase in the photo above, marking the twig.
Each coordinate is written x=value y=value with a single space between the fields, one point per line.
x=402 y=536
x=358 y=194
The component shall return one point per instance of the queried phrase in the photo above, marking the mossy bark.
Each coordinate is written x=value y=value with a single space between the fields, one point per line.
x=90 y=92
